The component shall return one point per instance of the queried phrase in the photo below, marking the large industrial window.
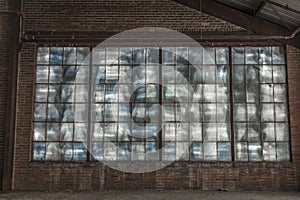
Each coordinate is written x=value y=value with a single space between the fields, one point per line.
x=236 y=102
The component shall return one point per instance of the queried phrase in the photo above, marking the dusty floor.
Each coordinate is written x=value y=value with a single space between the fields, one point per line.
x=151 y=195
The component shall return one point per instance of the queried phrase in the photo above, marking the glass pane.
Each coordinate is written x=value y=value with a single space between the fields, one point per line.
x=196 y=151
x=82 y=74
x=152 y=55
x=267 y=112
x=83 y=55
x=54 y=93
x=255 y=152
x=40 y=112
x=196 y=74
x=280 y=93
x=66 y=151
x=266 y=74
x=79 y=151
x=239 y=92
x=56 y=55
x=70 y=55
x=66 y=132
x=67 y=112
x=209 y=55
x=252 y=55
x=41 y=74
x=169 y=131
x=53 y=131
x=281 y=112
x=181 y=55
x=53 y=112
x=52 y=151
x=209 y=112
x=278 y=55
x=222 y=112
x=239 y=112
x=39 y=132
x=265 y=55
x=110 y=151
x=209 y=93
x=224 y=151
x=222 y=93
x=269 y=151
x=282 y=132
x=139 y=56
x=152 y=74
x=195 y=55
x=254 y=132
x=196 y=131
x=268 y=131
x=240 y=131
x=98 y=55
x=252 y=74
x=283 y=152
x=182 y=132
x=222 y=74
x=210 y=151
x=241 y=151
x=111 y=131
x=112 y=55
x=39 y=150
x=253 y=92
x=124 y=151
x=222 y=55
x=112 y=73
x=210 y=132
x=223 y=132
x=69 y=74
x=41 y=93
x=238 y=56
x=182 y=73
x=238 y=74
x=97 y=151
x=168 y=55
x=138 y=150
x=168 y=151
x=279 y=74
x=43 y=55
x=266 y=92
x=67 y=93
x=80 y=132
x=209 y=74
x=253 y=112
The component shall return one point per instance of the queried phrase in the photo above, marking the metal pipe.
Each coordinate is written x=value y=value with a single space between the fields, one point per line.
x=293 y=34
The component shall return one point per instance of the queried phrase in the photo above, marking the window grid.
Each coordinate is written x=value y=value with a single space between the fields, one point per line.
x=202 y=143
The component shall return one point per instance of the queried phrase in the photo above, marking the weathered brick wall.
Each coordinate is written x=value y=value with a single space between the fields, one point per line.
x=115 y=16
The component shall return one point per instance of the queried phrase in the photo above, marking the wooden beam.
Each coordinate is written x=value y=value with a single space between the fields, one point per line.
x=259 y=8
x=254 y=24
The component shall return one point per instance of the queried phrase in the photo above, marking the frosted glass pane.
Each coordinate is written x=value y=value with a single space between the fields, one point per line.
x=210 y=150
x=224 y=151
x=268 y=131
x=238 y=55
x=269 y=151
x=241 y=151
x=255 y=152
x=43 y=55
x=39 y=150
x=41 y=93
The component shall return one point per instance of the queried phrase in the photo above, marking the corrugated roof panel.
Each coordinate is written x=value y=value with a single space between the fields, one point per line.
x=294 y=4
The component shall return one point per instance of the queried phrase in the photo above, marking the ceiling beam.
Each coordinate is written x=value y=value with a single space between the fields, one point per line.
x=256 y=25
x=259 y=8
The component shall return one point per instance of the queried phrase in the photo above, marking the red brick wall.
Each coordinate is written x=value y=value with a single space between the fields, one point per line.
x=115 y=16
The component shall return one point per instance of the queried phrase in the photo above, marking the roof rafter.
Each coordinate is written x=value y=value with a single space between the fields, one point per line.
x=257 y=25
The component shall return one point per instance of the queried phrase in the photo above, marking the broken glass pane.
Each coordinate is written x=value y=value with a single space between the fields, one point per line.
x=223 y=132
x=66 y=132
x=282 y=132
x=266 y=92
x=79 y=151
x=53 y=112
x=265 y=55
x=42 y=74
x=69 y=74
x=222 y=112
x=280 y=93
x=70 y=55
x=240 y=131
x=52 y=151
x=55 y=74
x=238 y=74
x=209 y=93
x=269 y=151
x=281 y=112
x=210 y=132
x=43 y=55
x=239 y=92
x=181 y=55
x=80 y=132
x=254 y=132
x=41 y=93
x=124 y=151
x=39 y=132
x=54 y=93
x=67 y=93
x=278 y=55
x=66 y=151
x=239 y=112
x=268 y=131
x=252 y=55
x=222 y=74
x=253 y=93
x=168 y=151
x=210 y=150
x=152 y=56
x=238 y=56
x=241 y=151
x=97 y=150
x=224 y=151
x=255 y=152
x=39 y=150
x=169 y=131
x=283 y=153
x=139 y=56
x=210 y=112
x=40 y=112
x=209 y=74
x=56 y=55
x=279 y=74
x=196 y=151
x=265 y=74
x=253 y=112
x=267 y=112
x=222 y=55
x=252 y=74
x=53 y=131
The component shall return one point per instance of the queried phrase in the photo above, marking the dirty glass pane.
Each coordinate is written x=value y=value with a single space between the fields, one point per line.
x=209 y=93
x=79 y=151
x=265 y=55
x=112 y=55
x=168 y=55
x=281 y=112
x=56 y=55
x=80 y=132
x=54 y=93
x=97 y=151
x=238 y=74
x=69 y=74
x=39 y=132
x=239 y=92
x=269 y=151
x=266 y=92
x=239 y=112
x=81 y=93
x=210 y=150
x=253 y=93
x=108 y=115
x=66 y=151
x=252 y=55
x=181 y=55
x=268 y=131
x=238 y=55
x=39 y=150
x=279 y=74
x=182 y=151
x=53 y=112
x=196 y=151
x=70 y=55
x=53 y=131
x=252 y=74
x=253 y=112
x=282 y=132
x=41 y=93
x=124 y=151
x=280 y=93
x=42 y=74
x=254 y=132
x=278 y=55
x=224 y=151
x=240 y=131
x=255 y=152
x=210 y=132
x=241 y=151
x=169 y=131
x=52 y=151
x=209 y=74
x=267 y=112
x=209 y=112
x=283 y=151
x=40 y=112
x=222 y=55
x=168 y=151
x=66 y=132
x=265 y=74
x=43 y=55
